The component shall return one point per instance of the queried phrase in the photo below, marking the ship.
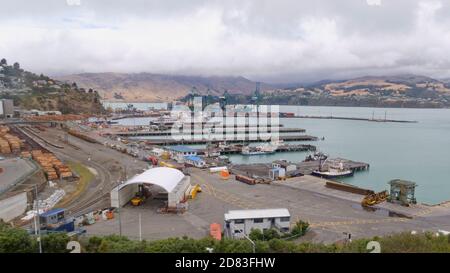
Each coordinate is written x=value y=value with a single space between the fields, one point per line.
x=333 y=171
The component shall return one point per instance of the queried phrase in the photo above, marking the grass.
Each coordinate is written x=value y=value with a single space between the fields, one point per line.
x=86 y=177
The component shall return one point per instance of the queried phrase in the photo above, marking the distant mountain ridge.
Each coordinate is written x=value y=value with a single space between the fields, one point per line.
x=406 y=90
x=160 y=87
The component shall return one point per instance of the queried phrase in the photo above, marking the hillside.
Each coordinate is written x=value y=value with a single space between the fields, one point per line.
x=383 y=91
x=32 y=91
x=157 y=87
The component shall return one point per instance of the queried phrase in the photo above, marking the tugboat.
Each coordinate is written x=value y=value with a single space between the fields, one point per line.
x=333 y=171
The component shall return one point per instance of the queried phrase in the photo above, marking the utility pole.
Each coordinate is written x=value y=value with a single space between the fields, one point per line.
x=119 y=209
x=140 y=228
x=251 y=241
x=38 y=219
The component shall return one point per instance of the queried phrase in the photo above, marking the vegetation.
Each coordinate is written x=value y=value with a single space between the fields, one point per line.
x=16 y=240
x=32 y=91
x=298 y=230
x=86 y=176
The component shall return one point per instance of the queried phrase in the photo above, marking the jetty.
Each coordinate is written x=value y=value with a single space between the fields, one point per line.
x=353 y=118
x=203 y=141
x=247 y=130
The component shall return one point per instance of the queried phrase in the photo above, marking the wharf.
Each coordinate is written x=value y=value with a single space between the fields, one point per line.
x=262 y=169
x=309 y=166
x=354 y=118
x=203 y=141
x=243 y=130
x=281 y=149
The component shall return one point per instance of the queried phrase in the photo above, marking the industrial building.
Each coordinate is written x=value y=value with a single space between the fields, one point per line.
x=195 y=161
x=179 y=152
x=6 y=108
x=239 y=223
x=170 y=180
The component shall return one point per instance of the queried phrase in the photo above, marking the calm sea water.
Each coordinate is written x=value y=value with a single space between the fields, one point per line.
x=418 y=152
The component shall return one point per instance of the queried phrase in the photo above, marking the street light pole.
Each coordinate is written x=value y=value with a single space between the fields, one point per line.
x=38 y=219
x=119 y=210
x=140 y=228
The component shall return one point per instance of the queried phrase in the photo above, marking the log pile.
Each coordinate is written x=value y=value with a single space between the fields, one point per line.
x=9 y=143
x=52 y=166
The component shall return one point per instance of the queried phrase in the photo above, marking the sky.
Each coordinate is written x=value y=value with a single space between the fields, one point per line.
x=266 y=40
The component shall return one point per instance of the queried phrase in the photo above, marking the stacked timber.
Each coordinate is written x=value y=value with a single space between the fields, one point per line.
x=62 y=170
x=4 y=146
x=25 y=154
x=52 y=166
x=82 y=136
x=68 y=117
x=4 y=130
x=14 y=142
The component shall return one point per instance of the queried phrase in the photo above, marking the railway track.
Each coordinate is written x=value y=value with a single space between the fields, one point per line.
x=30 y=143
x=91 y=204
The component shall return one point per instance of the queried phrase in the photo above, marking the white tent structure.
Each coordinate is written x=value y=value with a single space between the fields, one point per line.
x=173 y=181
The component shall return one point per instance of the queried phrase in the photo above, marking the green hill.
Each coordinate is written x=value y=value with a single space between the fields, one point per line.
x=32 y=91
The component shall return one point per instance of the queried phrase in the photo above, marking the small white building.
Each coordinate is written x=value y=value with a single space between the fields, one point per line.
x=286 y=165
x=238 y=223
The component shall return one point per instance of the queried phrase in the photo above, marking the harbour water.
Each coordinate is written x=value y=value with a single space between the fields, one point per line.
x=142 y=106
x=418 y=152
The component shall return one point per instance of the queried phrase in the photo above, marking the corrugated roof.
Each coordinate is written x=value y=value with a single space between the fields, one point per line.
x=51 y=212
x=193 y=158
x=256 y=213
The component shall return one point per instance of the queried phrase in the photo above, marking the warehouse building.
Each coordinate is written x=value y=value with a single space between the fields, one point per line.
x=172 y=181
x=239 y=223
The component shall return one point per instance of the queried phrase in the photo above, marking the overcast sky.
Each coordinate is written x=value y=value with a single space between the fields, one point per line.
x=273 y=41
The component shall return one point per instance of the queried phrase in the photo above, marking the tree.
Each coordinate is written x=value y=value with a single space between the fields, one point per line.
x=16 y=66
x=55 y=243
x=300 y=228
x=3 y=62
x=14 y=240
x=256 y=234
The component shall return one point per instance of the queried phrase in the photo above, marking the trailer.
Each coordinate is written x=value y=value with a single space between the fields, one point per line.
x=245 y=179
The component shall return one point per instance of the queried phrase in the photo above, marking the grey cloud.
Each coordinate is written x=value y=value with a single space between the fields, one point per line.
x=284 y=40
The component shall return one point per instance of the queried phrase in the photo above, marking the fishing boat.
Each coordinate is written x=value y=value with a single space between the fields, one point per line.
x=333 y=171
